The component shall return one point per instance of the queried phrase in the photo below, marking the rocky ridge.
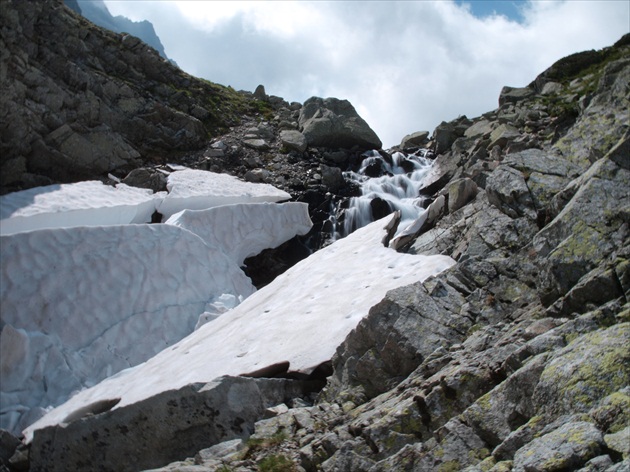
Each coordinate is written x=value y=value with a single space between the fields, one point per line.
x=98 y=13
x=514 y=359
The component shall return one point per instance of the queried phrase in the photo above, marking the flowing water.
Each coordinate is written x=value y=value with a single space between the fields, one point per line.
x=397 y=189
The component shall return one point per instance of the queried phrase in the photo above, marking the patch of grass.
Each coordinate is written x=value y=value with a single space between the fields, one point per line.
x=258 y=444
x=276 y=463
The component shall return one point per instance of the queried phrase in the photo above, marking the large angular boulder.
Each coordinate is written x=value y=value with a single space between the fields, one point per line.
x=369 y=363
x=514 y=95
x=334 y=123
x=170 y=426
x=293 y=140
x=414 y=140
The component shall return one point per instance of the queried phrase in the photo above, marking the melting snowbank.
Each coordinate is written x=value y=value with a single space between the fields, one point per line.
x=300 y=318
x=196 y=190
x=245 y=230
x=81 y=301
x=93 y=203
x=88 y=203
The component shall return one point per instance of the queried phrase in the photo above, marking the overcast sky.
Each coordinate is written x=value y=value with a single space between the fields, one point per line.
x=405 y=66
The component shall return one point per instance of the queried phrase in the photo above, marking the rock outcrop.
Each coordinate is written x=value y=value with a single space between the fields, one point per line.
x=165 y=427
x=87 y=101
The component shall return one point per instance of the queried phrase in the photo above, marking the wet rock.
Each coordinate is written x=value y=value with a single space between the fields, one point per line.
x=332 y=177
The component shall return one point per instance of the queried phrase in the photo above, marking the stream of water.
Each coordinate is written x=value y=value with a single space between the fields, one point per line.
x=396 y=189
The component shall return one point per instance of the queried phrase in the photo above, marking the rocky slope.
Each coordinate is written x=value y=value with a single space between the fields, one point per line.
x=514 y=359
x=517 y=357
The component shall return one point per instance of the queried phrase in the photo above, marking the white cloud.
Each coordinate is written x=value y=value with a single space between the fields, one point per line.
x=405 y=65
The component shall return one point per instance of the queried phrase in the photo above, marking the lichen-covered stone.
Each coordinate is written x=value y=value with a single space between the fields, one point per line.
x=613 y=412
x=587 y=370
x=619 y=442
x=565 y=448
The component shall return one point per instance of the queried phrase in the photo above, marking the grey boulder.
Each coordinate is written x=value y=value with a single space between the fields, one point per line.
x=334 y=123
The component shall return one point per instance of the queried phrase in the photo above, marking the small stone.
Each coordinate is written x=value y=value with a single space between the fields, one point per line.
x=258 y=144
x=619 y=442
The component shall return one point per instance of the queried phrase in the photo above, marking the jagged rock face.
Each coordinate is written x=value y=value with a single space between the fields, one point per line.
x=79 y=101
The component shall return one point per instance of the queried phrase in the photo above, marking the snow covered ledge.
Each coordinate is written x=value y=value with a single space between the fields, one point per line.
x=298 y=320
x=244 y=230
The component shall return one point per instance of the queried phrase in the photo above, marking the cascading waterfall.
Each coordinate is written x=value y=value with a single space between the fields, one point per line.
x=399 y=187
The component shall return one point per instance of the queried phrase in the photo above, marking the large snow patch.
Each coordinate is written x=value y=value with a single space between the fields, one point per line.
x=83 y=303
x=90 y=203
x=299 y=318
x=93 y=203
x=245 y=230
x=197 y=189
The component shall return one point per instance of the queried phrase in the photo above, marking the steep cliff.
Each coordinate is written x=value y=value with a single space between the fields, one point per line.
x=98 y=13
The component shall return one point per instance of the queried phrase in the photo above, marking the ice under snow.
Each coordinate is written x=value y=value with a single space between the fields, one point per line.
x=300 y=318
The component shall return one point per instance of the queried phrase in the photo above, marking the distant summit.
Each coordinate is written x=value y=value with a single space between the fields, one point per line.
x=96 y=11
